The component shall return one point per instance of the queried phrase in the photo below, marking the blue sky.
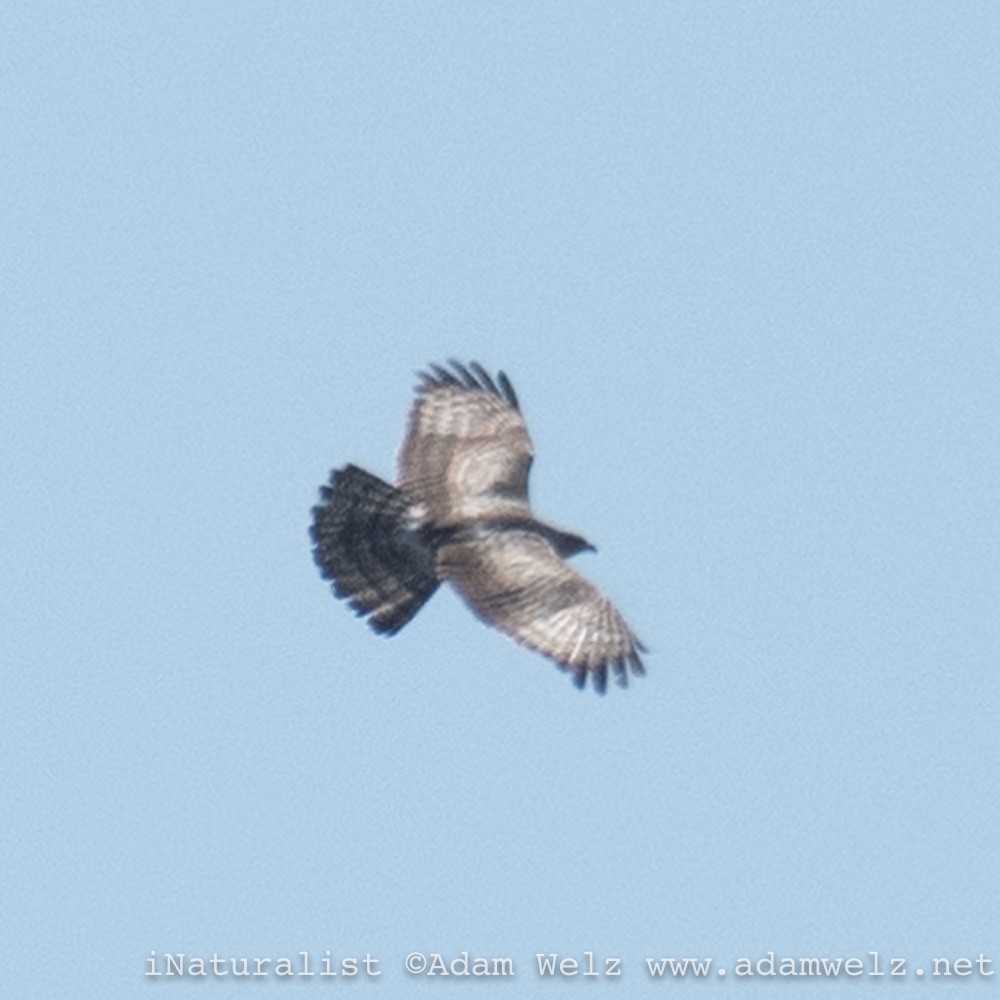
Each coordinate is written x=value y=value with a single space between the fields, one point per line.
x=740 y=262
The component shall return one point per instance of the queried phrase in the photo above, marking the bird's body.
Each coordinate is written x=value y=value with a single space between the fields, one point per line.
x=459 y=512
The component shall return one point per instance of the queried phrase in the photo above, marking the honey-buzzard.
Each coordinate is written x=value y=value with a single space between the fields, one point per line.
x=459 y=512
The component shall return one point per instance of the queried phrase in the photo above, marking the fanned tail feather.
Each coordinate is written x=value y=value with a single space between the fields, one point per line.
x=364 y=545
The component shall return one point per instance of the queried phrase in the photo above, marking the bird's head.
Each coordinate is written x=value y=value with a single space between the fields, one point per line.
x=567 y=544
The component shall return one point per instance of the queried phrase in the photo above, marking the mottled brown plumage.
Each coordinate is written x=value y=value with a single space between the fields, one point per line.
x=460 y=512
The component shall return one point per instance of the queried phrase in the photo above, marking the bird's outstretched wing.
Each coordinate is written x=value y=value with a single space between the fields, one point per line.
x=515 y=581
x=466 y=453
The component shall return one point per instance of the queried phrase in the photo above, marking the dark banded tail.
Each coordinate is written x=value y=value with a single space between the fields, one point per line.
x=365 y=546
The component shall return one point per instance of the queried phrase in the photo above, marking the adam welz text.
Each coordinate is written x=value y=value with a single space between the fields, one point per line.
x=551 y=965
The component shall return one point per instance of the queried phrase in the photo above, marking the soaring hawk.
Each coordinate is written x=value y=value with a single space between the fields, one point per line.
x=459 y=512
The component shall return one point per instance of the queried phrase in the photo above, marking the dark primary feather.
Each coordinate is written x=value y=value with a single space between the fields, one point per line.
x=460 y=512
x=484 y=376
x=472 y=376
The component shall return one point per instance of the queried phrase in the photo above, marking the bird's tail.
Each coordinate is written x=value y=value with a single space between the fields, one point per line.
x=364 y=544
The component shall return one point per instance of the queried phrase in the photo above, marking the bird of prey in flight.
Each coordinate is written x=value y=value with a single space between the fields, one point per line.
x=459 y=512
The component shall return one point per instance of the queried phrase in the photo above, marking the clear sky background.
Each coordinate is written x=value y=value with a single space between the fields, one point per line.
x=742 y=264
